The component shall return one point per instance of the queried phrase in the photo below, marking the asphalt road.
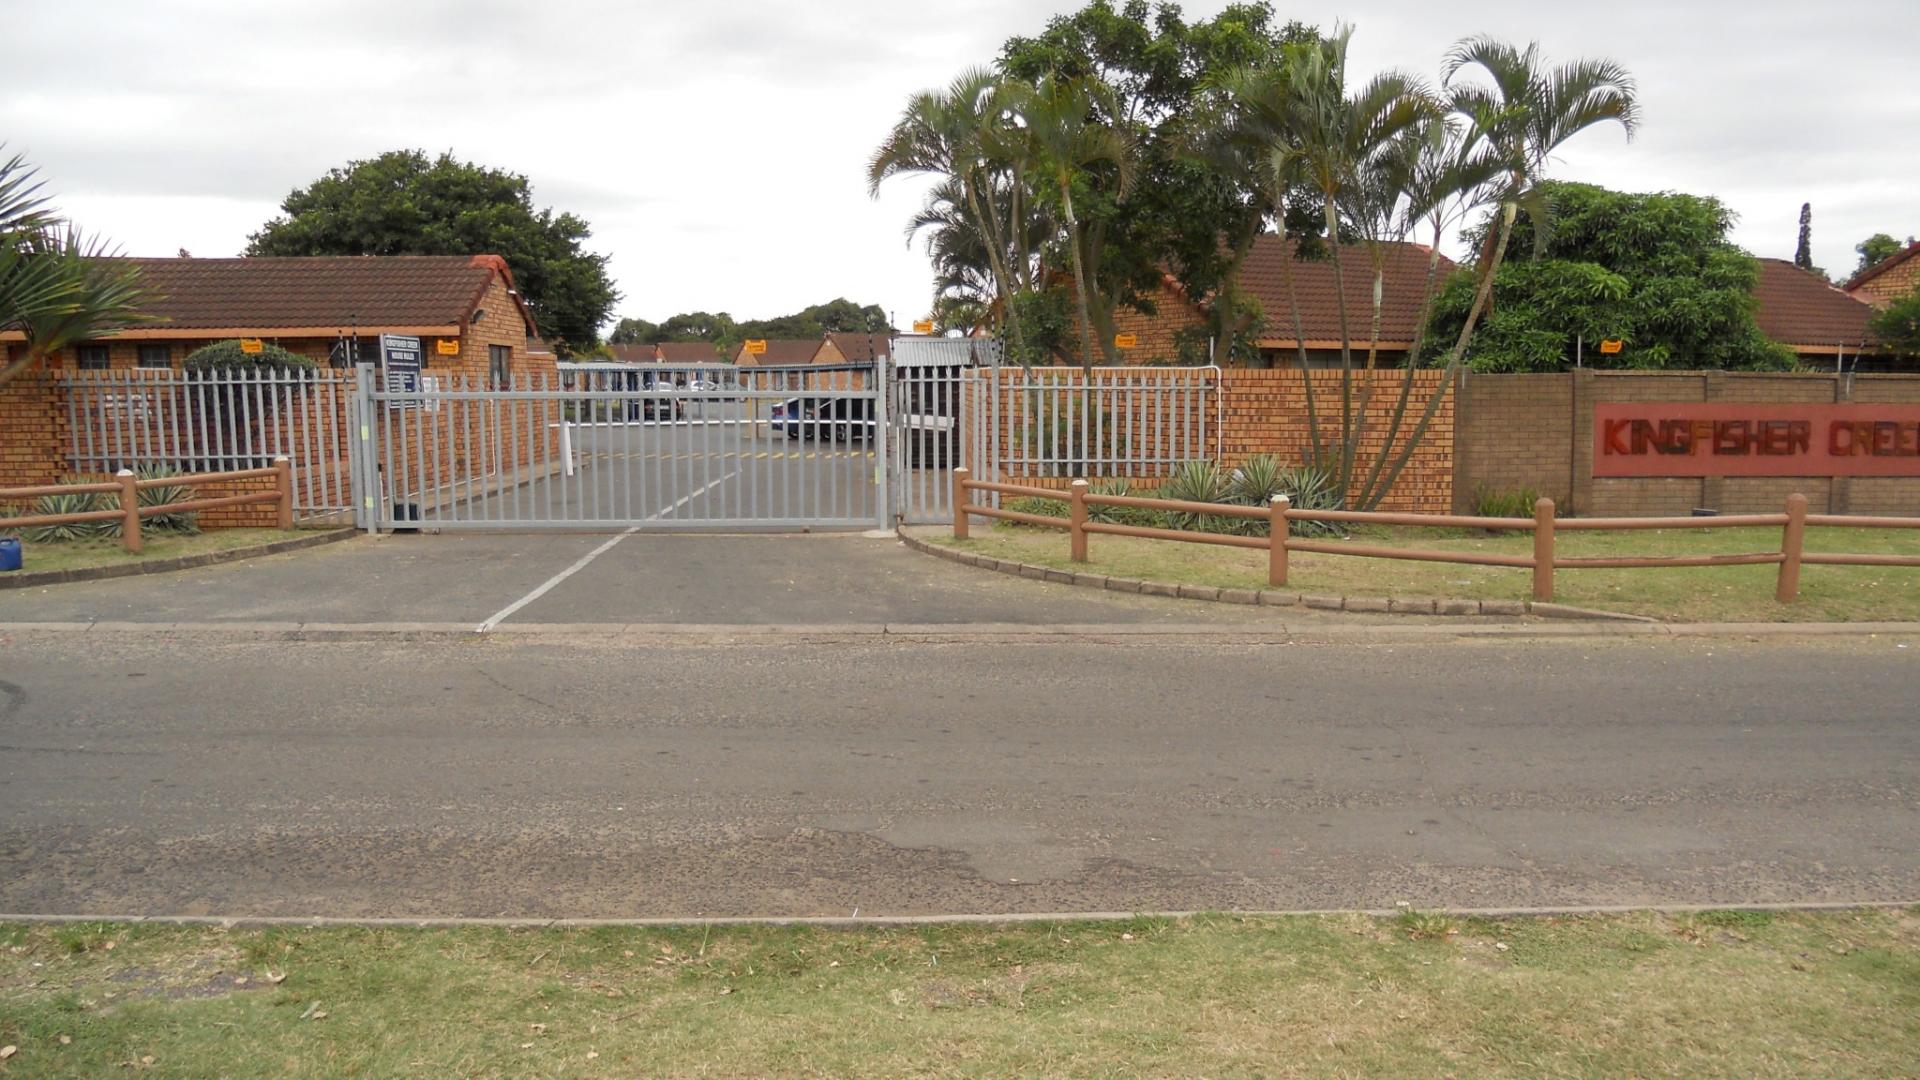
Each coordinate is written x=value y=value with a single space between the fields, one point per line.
x=175 y=774
x=713 y=465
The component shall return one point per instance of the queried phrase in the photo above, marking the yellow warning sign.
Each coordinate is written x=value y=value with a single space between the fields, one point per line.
x=924 y=326
x=1125 y=341
x=252 y=345
x=756 y=346
x=447 y=346
x=1611 y=345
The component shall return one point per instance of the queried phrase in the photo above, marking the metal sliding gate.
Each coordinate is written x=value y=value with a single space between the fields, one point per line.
x=629 y=446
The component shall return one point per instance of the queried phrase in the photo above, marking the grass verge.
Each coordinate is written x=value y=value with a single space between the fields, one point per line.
x=1682 y=594
x=1718 y=994
x=106 y=551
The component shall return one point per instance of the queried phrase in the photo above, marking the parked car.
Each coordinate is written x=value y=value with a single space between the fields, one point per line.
x=847 y=419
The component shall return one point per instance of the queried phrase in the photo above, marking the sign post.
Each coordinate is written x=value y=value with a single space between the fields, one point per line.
x=400 y=368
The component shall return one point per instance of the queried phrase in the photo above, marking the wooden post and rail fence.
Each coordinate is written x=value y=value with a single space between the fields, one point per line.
x=1544 y=526
x=129 y=512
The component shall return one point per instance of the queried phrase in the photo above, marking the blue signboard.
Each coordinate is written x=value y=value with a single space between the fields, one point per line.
x=400 y=368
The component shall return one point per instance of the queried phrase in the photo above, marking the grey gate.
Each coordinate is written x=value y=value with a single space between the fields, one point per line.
x=628 y=446
x=929 y=410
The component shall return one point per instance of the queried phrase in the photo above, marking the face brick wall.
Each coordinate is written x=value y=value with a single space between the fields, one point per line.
x=1536 y=431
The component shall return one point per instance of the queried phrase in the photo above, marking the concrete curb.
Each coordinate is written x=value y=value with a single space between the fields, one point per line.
x=1371 y=605
x=27 y=579
x=1009 y=918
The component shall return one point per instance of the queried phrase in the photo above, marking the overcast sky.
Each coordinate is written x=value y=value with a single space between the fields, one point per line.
x=719 y=149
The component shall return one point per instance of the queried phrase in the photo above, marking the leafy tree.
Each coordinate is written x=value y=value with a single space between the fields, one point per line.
x=1655 y=271
x=1874 y=250
x=228 y=356
x=1803 y=251
x=1897 y=326
x=57 y=288
x=634 y=332
x=404 y=203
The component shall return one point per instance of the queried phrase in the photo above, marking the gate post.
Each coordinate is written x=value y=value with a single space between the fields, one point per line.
x=960 y=503
x=879 y=436
x=1077 y=522
x=362 y=461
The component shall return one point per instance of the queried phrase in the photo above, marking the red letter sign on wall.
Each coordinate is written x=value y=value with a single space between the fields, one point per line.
x=1732 y=439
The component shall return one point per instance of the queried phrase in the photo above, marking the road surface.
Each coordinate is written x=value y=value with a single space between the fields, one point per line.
x=207 y=773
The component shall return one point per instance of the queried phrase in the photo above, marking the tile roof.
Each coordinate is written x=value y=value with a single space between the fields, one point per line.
x=1912 y=249
x=1263 y=276
x=860 y=348
x=319 y=291
x=1799 y=309
x=688 y=352
x=634 y=354
x=782 y=351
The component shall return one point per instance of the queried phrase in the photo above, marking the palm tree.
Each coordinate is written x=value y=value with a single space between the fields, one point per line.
x=959 y=134
x=57 y=286
x=1241 y=118
x=1338 y=139
x=1068 y=141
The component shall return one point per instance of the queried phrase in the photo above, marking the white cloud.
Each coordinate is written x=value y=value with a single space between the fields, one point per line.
x=718 y=150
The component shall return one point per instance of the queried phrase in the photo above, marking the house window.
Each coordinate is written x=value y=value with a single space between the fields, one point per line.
x=156 y=356
x=91 y=358
x=500 y=366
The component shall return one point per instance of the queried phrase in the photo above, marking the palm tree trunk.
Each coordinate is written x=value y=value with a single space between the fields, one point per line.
x=1299 y=337
x=1346 y=354
x=996 y=259
x=1456 y=357
x=1079 y=278
x=1371 y=492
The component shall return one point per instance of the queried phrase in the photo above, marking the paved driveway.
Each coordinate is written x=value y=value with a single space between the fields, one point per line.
x=471 y=578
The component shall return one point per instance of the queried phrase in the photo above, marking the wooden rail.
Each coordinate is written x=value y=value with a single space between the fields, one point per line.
x=128 y=487
x=1543 y=525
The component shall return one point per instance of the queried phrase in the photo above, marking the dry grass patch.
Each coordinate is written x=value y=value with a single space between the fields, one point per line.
x=106 y=551
x=1689 y=594
x=1725 y=994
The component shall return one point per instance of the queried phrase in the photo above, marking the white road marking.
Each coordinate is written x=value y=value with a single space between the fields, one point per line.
x=580 y=564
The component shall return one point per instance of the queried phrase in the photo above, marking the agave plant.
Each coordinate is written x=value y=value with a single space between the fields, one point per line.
x=1256 y=481
x=1309 y=487
x=1197 y=481
x=164 y=494
x=72 y=502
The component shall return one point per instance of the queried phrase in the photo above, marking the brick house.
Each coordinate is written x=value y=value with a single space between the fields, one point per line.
x=1889 y=279
x=666 y=352
x=1263 y=277
x=327 y=308
x=1824 y=326
x=330 y=309
x=781 y=352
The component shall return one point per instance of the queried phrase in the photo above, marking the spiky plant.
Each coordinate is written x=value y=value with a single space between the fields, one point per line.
x=72 y=502
x=184 y=522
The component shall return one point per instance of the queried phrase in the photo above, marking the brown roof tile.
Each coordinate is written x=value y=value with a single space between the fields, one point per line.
x=688 y=352
x=1263 y=276
x=319 y=291
x=1796 y=308
x=634 y=354
x=859 y=348
x=782 y=351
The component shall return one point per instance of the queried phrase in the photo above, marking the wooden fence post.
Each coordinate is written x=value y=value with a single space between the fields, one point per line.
x=283 y=480
x=1543 y=549
x=1277 y=509
x=1792 y=540
x=1077 y=521
x=960 y=504
x=130 y=509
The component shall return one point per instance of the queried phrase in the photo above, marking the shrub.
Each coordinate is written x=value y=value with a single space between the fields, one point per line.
x=1033 y=504
x=73 y=502
x=1198 y=481
x=1311 y=487
x=180 y=522
x=1515 y=503
x=228 y=356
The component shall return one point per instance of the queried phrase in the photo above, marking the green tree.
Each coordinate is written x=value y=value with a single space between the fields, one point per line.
x=404 y=203
x=1897 y=326
x=1655 y=271
x=58 y=287
x=634 y=332
x=1875 y=250
x=1803 y=250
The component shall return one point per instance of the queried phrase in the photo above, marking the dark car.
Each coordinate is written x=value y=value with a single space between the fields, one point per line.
x=847 y=419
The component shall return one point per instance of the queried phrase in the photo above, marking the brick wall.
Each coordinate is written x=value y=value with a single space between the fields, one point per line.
x=1887 y=287
x=1265 y=412
x=1155 y=333
x=1536 y=431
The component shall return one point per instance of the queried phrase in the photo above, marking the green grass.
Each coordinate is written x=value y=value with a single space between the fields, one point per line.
x=1689 y=594
x=1832 y=994
x=106 y=551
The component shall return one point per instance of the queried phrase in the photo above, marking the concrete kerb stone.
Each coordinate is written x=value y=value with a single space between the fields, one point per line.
x=26 y=579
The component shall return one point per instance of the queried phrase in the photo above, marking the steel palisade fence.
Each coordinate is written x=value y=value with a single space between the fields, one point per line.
x=216 y=421
x=1139 y=423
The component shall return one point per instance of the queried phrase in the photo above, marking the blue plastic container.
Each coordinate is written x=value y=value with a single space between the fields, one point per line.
x=9 y=553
